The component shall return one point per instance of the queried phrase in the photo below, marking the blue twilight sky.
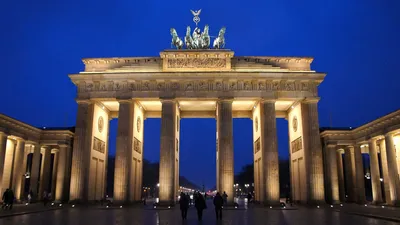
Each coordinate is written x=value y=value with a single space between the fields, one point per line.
x=357 y=43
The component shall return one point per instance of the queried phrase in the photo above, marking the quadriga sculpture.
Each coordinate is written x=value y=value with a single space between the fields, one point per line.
x=176 y=41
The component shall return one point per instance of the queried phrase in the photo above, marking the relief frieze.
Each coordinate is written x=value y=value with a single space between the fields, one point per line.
x=99 y=145
x=198 y=85
x=196 y=63
x=296 y=145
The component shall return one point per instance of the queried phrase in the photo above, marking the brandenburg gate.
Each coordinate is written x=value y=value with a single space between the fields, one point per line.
x=197 y=82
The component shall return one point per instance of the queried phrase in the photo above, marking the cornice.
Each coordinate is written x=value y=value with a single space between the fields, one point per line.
x=388 y=124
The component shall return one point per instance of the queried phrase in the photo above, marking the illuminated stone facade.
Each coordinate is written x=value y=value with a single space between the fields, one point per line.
x=197 y=84
x=381 y=140
x=50 y=151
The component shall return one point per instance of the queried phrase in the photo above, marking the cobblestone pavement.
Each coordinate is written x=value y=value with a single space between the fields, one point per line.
x=134 y=216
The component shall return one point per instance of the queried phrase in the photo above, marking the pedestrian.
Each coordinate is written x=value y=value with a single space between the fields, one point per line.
x=10 y=199
x=225 y=197
x=200 y=205
x=184 y=205
x=5 y=199
x=249 y=197
x=45 y=198
x=218 y=203
x=30 y=196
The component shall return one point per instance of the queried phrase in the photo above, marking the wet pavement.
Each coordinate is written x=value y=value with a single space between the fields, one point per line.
x=134 y=216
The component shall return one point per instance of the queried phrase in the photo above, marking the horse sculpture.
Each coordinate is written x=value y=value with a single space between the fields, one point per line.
x=176 y=41
x=206 y=38
x=188 y=39
x=219 y=42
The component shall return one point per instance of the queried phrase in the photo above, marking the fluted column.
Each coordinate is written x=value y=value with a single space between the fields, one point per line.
x=339 y=159
x=385 y=172
x=45 y=172
x=54 y=175
x=394 y=182
x=81 y=153
x=18 y=172
x=34 y=177
x=225 y=148
x=3 y=145
x=61 y=190
x=375 y=174
x=332 y=179
x=167 y=152
x=124 y=150
x=269 y=145
x=360 y=183
x=313 y=152
x=350 y=173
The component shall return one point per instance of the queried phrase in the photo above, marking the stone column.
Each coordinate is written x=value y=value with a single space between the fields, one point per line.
x=350 y=173
x=61 y=190
x=81 y=152
x=45 y=172
x=394 y=182
x=269 y=148
x=385 y=172
x=3 y=145
x=360 y=183
x=339 y=158
x=375 y=174
x=54 y=175
x=225 y=148
x=123 y=156
x=167 y=152
x=34 y=174
x=332 y=179
x=313 y=152
x=18 y=172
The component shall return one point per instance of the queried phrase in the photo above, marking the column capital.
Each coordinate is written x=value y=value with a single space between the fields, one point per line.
x=124 y=100
x=63 y=145
x=349 y=147
x=331 y=145
x=391 y=133
x=225 y=99
x=2 y=133
x=83 y=101
x=165 y=100
x=267 y=100
x=311 y=100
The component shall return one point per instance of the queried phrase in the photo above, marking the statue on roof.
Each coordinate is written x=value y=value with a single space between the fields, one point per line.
x=198 y=39
x=219 y=42
x=176 y=41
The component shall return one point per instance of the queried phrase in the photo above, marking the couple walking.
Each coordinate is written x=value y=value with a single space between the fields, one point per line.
x=199 y=204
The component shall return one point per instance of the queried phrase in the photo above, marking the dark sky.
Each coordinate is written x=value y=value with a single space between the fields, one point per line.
x=357 y=43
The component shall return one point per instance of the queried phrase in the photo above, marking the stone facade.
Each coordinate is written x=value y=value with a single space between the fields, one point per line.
x=201 y=84
x=50 y=150
x=381 y=140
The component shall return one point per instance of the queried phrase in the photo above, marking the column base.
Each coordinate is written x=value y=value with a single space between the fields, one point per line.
x=165 y=204
x=271 y=203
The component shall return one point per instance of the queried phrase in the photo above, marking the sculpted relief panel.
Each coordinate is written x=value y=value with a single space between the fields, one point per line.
x=198 y=86
x=196 y=63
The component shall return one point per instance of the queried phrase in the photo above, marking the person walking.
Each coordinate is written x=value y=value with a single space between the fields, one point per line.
x=184 y=205
x=45 y=198
x=218 y=203
x=200 y=205
x=10 y=199
x=225 y=197
x=5 y=199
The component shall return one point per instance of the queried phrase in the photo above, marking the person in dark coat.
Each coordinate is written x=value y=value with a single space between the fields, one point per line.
x=5 y=199
x=218 y=203
x=10 y=199
x=184 y=205
x=200 y=205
